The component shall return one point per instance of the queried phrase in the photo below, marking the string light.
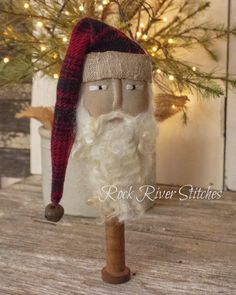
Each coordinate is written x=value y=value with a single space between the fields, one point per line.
x=100 y=7
x=194 y=69
x=26 y=5
x=154 y=48
x=55 y=55
x=39 y=24
x=145 y=37
x=43 y=48
x=173 y=106
x=138 y=34
x=6 y=60
x=66 y=12
x=64 y=39
x=171 y=77
x=158 y=71
x=165 y=19
x=81 y=8
x=55 y=76
x=170 y=41
x=142 y=25
x=105 y=2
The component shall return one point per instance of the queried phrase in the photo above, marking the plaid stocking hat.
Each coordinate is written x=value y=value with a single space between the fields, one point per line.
x=96 y=51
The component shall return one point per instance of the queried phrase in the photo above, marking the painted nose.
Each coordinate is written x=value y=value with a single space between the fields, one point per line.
x=117 y=94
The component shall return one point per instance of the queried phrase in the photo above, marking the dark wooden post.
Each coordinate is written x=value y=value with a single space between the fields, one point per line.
x=115 y=271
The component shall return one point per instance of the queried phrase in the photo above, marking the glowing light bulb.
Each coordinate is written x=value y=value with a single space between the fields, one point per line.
x=6 y=60
x=55 y=55
x=142 y=25
x=154 y=48
x=26 y=5
x=43 y=48
x=194 y=69
x=145 y=37
x=165 y=19
x=173 y=106
x=170 y=41
x=39 y=24
x=64 y=39
x=138 y=34
x=81 y=8
x=55 y=76
x=105 y=2
x=171 y=77
x=158 y=71
x=100 y=7
x=66 y=13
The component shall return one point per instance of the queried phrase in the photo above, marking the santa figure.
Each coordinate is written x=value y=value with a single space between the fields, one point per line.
x=104 y=121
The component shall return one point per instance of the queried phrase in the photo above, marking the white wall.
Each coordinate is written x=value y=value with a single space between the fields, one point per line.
x=186 y=154
x=193 y=154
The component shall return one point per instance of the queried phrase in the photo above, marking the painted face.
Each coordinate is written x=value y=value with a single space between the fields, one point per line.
x=104 y=96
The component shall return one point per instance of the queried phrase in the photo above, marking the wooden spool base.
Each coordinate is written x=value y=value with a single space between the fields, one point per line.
x=115 y=271
x=116 y=278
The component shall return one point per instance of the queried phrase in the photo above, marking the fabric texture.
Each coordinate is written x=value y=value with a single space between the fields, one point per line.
x=88 y=36
x=117 y=65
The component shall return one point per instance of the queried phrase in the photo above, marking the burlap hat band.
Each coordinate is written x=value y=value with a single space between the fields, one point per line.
x=120 y=65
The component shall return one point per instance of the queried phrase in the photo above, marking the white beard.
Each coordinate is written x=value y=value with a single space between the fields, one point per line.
x=117 y=149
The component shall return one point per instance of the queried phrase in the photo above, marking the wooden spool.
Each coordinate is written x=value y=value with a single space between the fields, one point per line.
x=115 y=271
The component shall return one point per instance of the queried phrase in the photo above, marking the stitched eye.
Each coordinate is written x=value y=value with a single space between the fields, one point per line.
x=130 y=87
x=139 y=87
x=97 y=87
x=134 y=87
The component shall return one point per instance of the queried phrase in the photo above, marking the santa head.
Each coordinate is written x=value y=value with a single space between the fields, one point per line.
x=104 y=110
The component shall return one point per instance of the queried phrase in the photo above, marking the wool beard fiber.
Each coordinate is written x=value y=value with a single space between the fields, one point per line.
x=117 y=151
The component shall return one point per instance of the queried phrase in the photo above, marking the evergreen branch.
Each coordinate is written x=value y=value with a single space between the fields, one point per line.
x=191 y=15
x=26 y=15
x=199 y=28
x=59 y=14
x=27 y=58
x=174 y=20
x=165 y=6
